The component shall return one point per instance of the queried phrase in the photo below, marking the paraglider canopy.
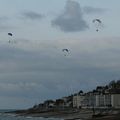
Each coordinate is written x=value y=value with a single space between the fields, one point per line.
x=66 y=51
x=97 y=20
x=10 y=34
x=98 y=24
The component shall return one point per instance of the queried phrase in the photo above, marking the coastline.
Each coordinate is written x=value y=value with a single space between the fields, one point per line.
x=82 y=114
x=65 y=115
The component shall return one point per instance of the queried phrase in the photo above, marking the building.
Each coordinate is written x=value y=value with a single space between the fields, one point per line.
x=107 y=100
x=78 y=101
x=115 y=100
x=98 y=99
x=49 y=104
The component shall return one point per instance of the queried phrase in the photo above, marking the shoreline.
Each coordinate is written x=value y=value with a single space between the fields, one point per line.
x=81 y=114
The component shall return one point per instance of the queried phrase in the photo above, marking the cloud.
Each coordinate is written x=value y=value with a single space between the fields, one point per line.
x=71 y=19
x=93 y=10
x=32 y=15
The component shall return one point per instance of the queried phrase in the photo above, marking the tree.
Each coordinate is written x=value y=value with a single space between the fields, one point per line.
x=118 y=84
x=112 y=84
x=80 y=92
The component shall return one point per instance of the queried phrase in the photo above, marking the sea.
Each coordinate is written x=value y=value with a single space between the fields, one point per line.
x=6 y=116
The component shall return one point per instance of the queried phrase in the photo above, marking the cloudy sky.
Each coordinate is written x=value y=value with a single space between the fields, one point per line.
x=34 y=68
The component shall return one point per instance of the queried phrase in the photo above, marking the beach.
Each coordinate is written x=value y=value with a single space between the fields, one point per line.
x=82 y=114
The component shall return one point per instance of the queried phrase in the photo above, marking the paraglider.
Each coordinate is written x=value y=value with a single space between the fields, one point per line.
x=98 y=24
x=98 y=20
x=65 y=51
x=10 y=34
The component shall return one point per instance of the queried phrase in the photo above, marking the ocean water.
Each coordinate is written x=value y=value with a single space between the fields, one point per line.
x=5 y=116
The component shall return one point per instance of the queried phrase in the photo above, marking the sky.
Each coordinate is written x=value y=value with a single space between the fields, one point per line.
x=33 y=67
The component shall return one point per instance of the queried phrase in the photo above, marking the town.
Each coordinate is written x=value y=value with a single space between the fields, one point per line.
x=100 y=102
x=102 y=97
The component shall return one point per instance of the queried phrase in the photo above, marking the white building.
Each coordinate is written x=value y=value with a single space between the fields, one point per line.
x=100 y=100
x=115 y=100
x=78 y=100
x=108 y=100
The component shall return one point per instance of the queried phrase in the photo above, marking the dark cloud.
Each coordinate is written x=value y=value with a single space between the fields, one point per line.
x=93 y=10
x=71 y=20
x=32 y=15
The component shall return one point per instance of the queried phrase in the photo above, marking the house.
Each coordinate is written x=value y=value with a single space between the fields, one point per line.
x=49 y=104
x=107 y=100
x=67 y=101
x=99 y=100
x=101 y=97
x=115 y=100
x=59 y=103
x=78 y=101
